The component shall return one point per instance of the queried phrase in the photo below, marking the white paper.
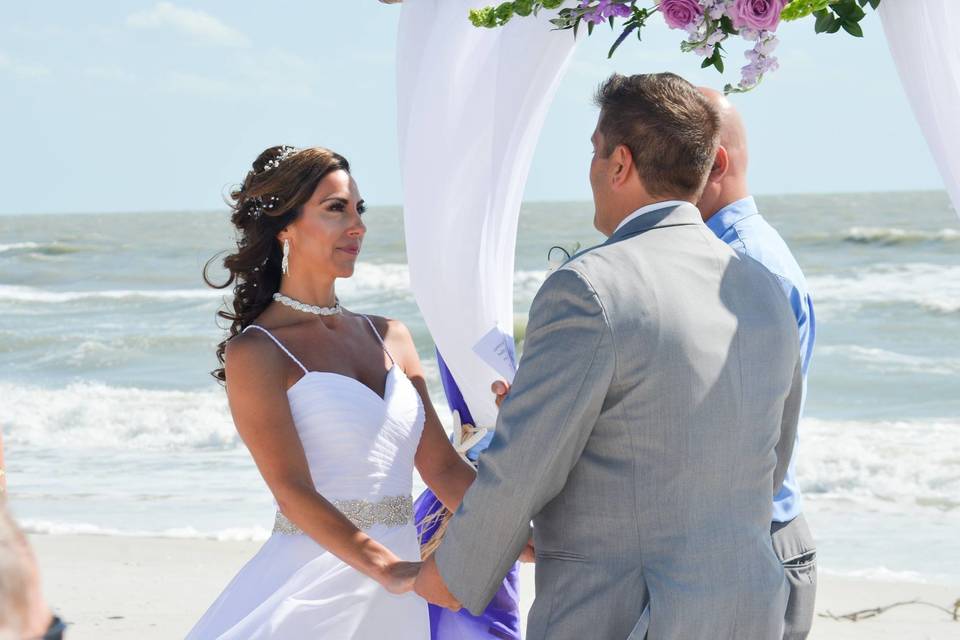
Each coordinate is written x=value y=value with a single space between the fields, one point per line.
x=496 y=348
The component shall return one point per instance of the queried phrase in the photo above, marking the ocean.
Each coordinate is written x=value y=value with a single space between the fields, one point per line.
x=113 y=426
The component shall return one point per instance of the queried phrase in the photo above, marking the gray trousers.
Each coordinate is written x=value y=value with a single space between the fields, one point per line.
x=794 y=546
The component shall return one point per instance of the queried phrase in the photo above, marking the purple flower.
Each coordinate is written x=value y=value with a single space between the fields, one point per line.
x=679 y=14
x=762 y=15
x=605 y=9
x=619 y=10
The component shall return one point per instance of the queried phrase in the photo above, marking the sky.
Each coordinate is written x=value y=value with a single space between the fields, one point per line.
x=113 y=106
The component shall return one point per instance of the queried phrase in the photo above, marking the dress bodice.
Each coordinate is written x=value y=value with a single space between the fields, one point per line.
x=358 y=445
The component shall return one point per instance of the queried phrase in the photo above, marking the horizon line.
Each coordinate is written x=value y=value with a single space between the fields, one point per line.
x=400 y=206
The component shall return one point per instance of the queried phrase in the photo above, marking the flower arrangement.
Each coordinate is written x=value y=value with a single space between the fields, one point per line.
x=708 y=24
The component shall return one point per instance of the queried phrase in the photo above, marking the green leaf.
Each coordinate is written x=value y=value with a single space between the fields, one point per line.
x=844 y=8
x=551 y=4
x=857 y=12
x=824 y=19
x=834 y=26
x=504 y=12
x=621 y=38
x=523 y=7
x=853 y=28
x=797 y=9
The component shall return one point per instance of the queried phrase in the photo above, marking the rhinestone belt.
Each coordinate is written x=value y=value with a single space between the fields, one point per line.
x=393 y=511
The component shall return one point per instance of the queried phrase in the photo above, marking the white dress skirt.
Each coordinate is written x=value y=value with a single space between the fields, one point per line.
x=360 y=448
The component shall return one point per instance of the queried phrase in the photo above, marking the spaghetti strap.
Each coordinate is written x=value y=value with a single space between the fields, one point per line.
x=382 y=343
x=279 y=344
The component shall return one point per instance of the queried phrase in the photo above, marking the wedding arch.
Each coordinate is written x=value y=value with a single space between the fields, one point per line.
x=472 y=103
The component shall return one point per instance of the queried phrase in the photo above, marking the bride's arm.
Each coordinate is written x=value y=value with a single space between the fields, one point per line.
x=441 y=467
x=256 y=390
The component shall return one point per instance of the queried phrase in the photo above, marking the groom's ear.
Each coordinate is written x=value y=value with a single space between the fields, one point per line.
x=622 y=164
x=721 y=164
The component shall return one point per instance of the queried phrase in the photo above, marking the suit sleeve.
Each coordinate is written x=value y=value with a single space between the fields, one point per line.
x=566 y=370
x=788 y=427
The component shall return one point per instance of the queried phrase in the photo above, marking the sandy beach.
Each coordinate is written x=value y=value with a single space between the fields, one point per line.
x=153 y=588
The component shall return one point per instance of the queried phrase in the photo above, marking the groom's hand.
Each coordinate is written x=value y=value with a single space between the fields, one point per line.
x=500 y=389
x=430 y=587
x=529 y=553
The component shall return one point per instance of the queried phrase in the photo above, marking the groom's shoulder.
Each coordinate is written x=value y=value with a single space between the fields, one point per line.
x=588 y=274
x=605 y=260
x=587 y=264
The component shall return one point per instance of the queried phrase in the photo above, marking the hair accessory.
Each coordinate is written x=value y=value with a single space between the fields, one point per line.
x=285 y=152
x=262 y=205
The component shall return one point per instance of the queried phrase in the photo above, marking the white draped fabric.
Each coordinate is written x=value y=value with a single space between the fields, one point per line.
x=471 y=105
x=924 y=40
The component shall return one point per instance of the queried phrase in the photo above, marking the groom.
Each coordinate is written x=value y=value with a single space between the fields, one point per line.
x=653 y=413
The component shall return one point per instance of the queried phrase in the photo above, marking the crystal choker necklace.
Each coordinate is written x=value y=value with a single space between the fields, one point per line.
x=307 y=308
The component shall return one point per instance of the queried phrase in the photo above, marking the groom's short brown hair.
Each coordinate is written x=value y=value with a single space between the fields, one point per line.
x=670 y=128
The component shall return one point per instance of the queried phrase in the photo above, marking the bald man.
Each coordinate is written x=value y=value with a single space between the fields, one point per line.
x=731 y=213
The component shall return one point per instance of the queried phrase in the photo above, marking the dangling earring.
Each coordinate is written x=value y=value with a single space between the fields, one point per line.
x=285 y=265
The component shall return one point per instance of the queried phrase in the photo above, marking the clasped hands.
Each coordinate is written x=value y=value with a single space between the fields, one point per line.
x=424 y=577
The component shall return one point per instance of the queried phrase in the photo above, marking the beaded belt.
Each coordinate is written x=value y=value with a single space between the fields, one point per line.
x=393 y=511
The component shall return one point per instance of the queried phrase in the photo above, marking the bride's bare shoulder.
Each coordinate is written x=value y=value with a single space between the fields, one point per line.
x=252 y=354
x=391 y=329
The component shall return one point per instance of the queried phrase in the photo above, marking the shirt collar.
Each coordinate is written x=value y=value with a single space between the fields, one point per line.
x=732 y=214
x=647 y=209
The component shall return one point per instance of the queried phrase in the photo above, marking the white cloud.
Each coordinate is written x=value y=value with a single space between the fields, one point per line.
x=198 y=25
x=23 y=69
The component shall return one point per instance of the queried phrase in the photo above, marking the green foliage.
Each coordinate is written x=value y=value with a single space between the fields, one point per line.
x=486 y=17
x=716 y=60
x=499 y=15
x=841 y=14
x=523 y=7
x=802 y=8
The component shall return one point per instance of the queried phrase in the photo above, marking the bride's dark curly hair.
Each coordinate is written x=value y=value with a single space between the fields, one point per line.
x=271 y=197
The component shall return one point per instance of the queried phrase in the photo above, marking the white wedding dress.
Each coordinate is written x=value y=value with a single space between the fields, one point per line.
x=360 y=448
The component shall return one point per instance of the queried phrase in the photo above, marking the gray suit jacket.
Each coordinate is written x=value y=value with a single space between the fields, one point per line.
x=648 y=428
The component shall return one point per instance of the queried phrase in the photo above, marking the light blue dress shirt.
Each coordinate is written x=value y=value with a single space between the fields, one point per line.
x=741 y=226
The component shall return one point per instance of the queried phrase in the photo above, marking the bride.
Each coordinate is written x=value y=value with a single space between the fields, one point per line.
x=335 y=412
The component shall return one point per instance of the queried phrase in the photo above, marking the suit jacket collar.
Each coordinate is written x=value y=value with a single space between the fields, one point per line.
x=669 y=216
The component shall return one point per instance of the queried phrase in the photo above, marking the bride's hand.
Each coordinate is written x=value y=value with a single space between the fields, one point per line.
x=399 y=576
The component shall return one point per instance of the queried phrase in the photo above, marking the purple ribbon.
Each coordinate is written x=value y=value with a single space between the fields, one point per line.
x=501 y=619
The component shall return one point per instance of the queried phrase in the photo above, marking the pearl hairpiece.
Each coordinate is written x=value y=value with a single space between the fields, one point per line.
x=261 y=206
x=285 y=152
